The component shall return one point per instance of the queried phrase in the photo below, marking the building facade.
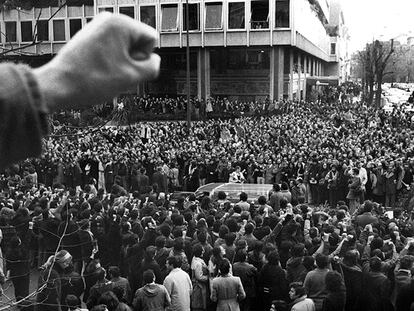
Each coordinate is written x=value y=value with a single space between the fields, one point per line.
x=250 y=49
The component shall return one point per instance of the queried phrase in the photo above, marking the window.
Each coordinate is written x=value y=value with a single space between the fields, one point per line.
x=26 y=31
x=214 y=15
x=193 y=16
x=282 y=14
x=88 y=19
x=43 y=30
x=11 y=35
x=169 y=17
x=259 y=14
x=74 y=26
x=254 y=57
x=333 y=48
x=148 y=15
x=128 y=11
x=246 y=59
x=236 y=15
x=59 y=30
x=109 y=9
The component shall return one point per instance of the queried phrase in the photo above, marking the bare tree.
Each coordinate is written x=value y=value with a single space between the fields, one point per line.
x=20 y=5
x=372 y=62
x=382 y=54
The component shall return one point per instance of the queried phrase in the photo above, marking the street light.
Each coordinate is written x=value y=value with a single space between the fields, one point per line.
x=187 y=19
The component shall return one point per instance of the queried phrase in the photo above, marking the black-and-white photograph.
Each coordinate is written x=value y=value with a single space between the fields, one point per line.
x=206 y=155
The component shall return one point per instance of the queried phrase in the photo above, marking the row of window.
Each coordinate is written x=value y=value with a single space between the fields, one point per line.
x=40 y=30
x=259 y=17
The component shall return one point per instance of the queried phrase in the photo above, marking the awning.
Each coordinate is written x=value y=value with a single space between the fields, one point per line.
x=322 y=80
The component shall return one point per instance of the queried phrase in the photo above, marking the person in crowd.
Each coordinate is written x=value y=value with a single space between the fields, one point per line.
x=74 y=303
x=271 y=281
x=336 y=298
x=101 y=286
x=315 y=281
x=237 y=176
x=377 y=287
x=355 y=190
x=18 y=265
x=199 y=273
x=300 y=302
x=227 y=290
x=248 y=276
x=118 y=280
x=178 y=285
x=111 y=301
x=152 y=296
x=50 y=287
x=352 y=274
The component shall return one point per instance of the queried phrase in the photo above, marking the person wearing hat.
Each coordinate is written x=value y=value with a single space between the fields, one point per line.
x=50 y=286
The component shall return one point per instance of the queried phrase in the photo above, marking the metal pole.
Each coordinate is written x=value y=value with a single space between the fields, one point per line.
x=187 y=20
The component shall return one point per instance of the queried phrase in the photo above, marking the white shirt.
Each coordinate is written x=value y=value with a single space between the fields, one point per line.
x=363 y=175
x=179 y=286
x=236 y=177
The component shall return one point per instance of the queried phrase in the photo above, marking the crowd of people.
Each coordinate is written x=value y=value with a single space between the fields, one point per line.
x=134 y=108
x=95 y=216
x=174 y=105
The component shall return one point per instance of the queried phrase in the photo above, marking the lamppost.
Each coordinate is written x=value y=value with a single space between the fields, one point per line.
x=188 y=66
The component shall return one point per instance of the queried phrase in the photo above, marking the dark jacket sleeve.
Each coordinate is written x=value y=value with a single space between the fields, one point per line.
x=23 y=115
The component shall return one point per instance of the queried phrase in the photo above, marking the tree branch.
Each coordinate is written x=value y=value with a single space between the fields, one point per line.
x=35 y=33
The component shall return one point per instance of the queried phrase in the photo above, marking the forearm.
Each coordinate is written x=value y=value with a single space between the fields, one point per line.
x=23 y=119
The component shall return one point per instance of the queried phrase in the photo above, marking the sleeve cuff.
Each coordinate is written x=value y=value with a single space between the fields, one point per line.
x=23 y=119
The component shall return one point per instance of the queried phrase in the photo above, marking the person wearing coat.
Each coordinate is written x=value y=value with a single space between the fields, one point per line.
x=378 y=189
x=352 y=274
x=49 y=297
x=227 y=290
x=354 y=192
x=248 y=275
x=143 y=181
x=19 y=266
x=301 y=302
x=199 y=278
x=390 y=187
x=160 y=179
x=271 y=282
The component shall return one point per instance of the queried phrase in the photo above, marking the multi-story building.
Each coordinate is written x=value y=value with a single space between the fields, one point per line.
x=238 y=48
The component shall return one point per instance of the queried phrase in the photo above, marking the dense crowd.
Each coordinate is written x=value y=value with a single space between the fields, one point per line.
x=95 y=215
x=133 y=108
x=175 y=105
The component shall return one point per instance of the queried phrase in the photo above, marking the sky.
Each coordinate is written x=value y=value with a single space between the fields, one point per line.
x=377 y=19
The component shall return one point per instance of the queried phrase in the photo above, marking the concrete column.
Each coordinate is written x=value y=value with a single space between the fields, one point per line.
x=306 y=64
x=141 y=88
x=299 y=76
x=203 y=73
x=290 y=74
x=277 y=56
x=314 y=73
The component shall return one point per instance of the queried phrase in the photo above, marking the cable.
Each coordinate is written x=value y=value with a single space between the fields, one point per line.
x=41 y=288
x=93 y=130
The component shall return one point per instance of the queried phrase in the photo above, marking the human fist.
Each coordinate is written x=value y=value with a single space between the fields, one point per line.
x=111 y=54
